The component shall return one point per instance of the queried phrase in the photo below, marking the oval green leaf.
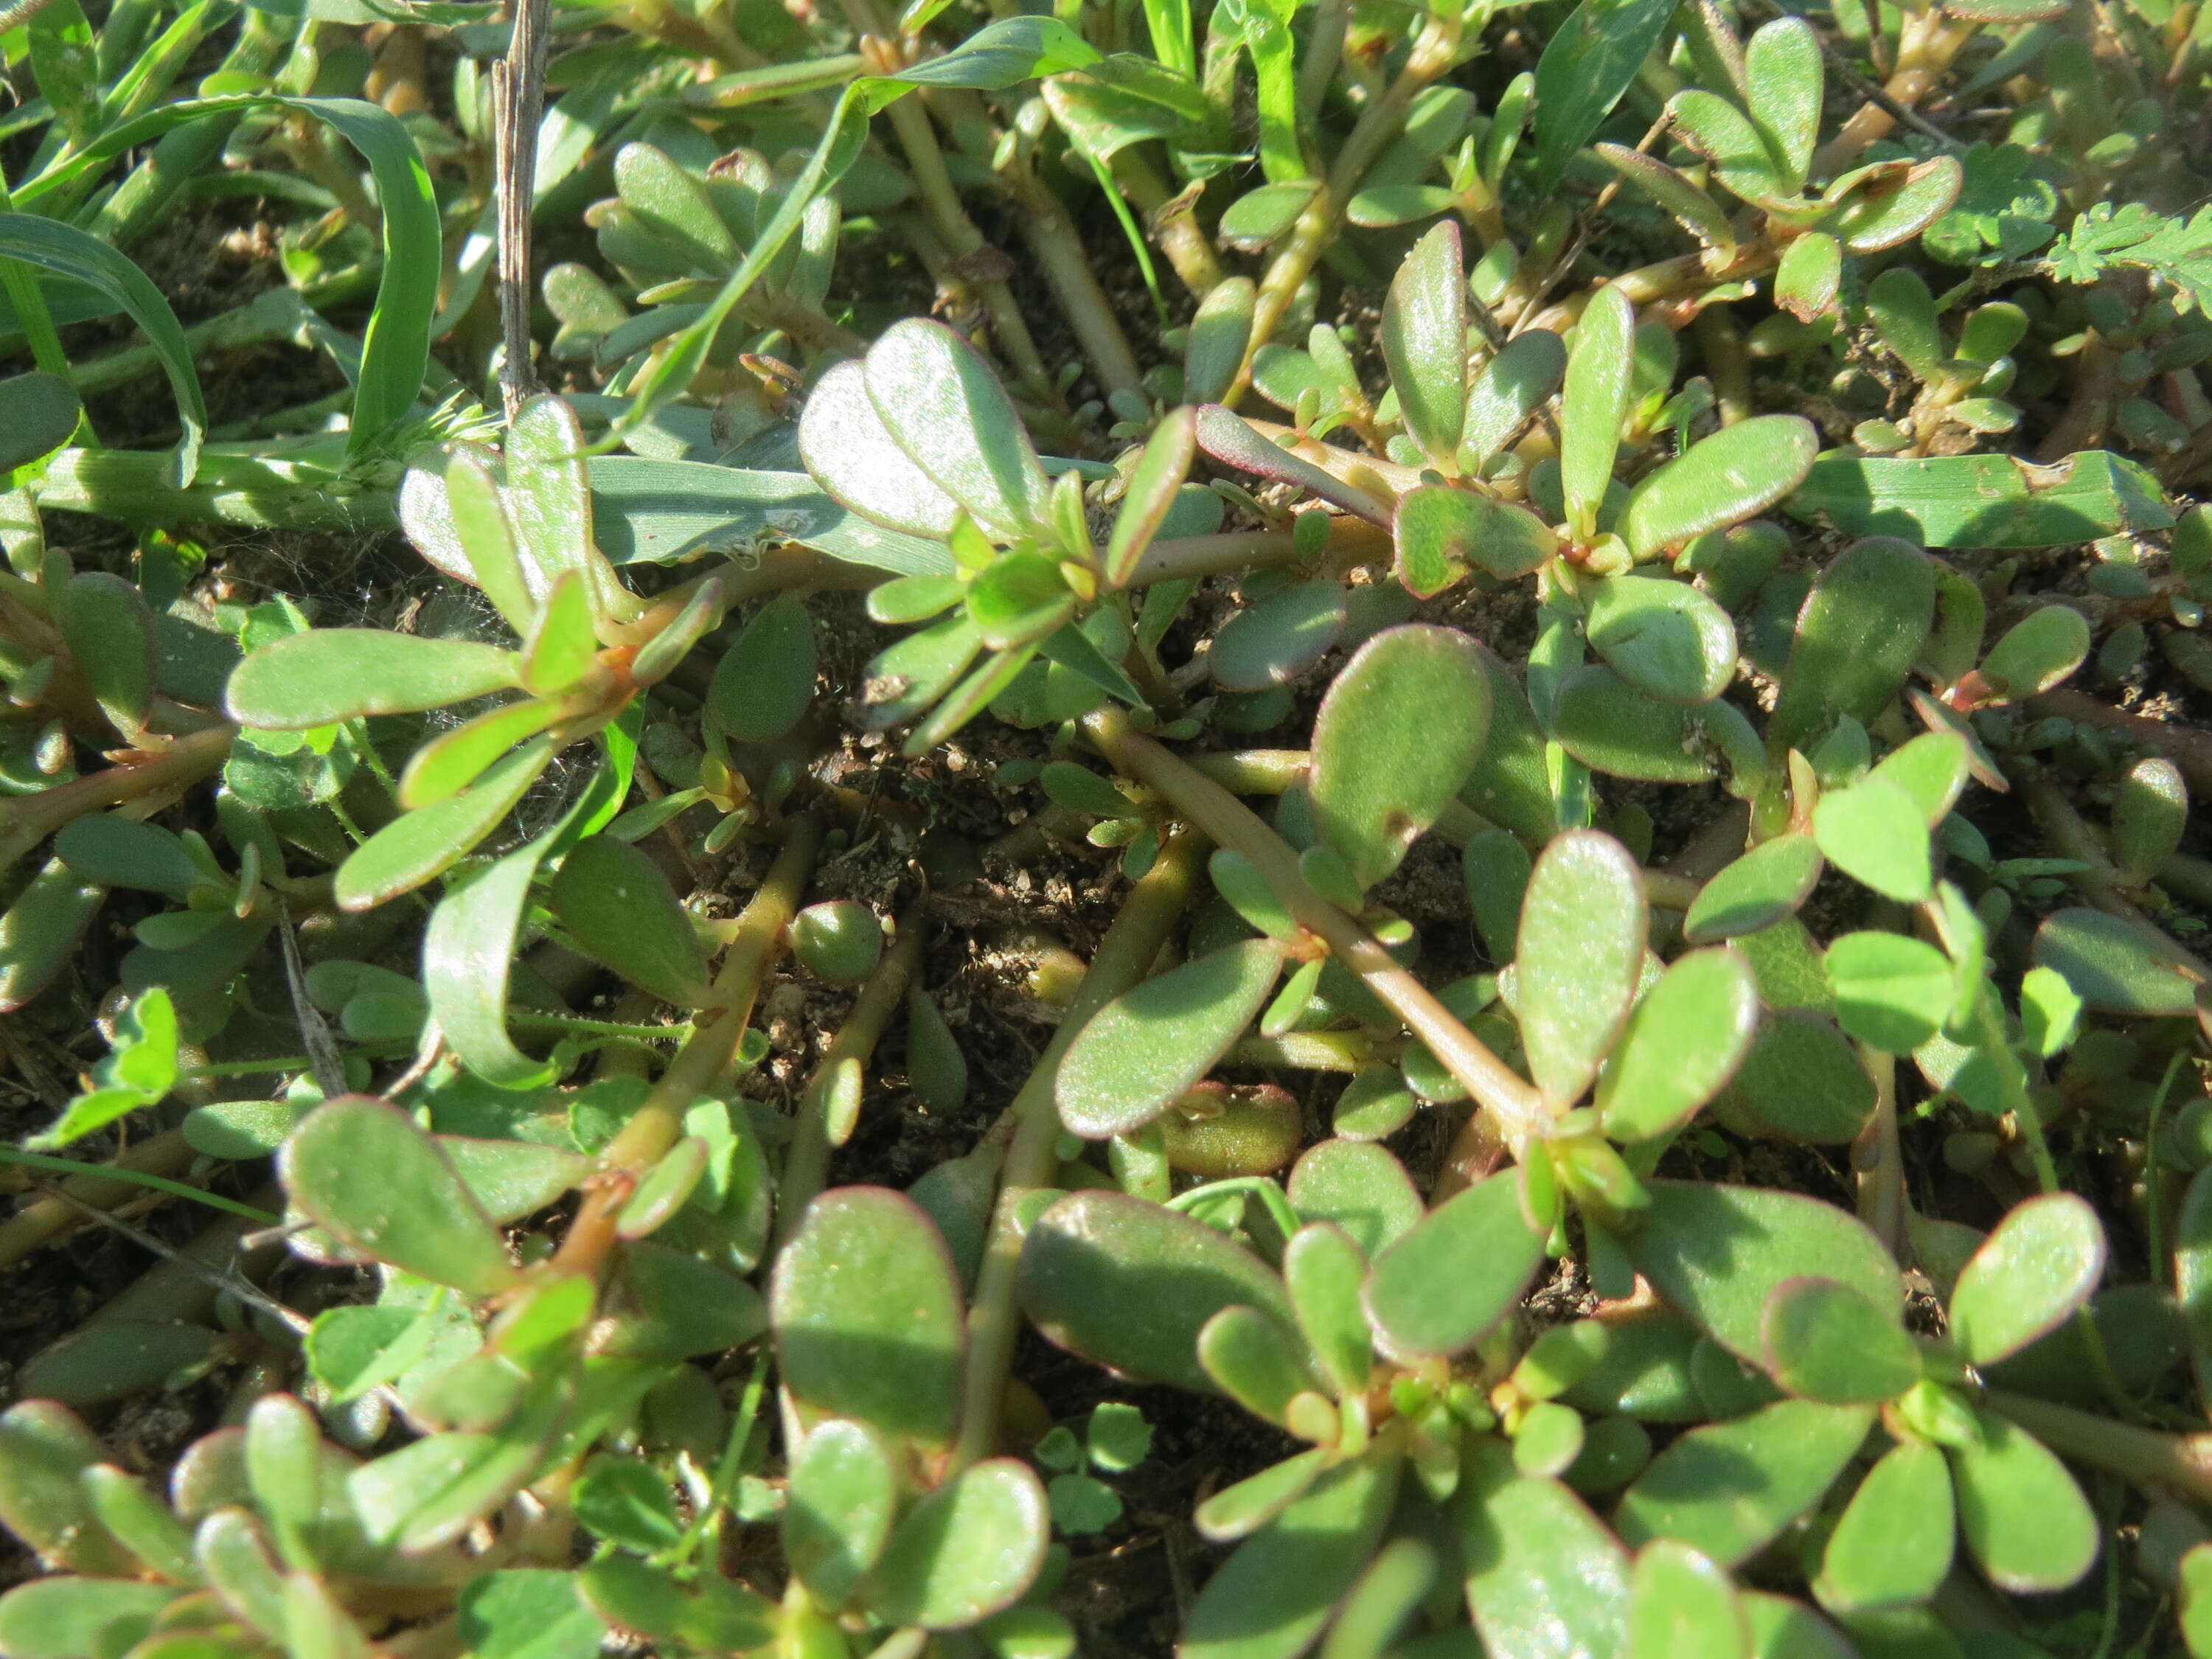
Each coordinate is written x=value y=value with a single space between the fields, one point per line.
x=1444 y=1285
x=1662 y=637
x=1717 y=1252
x=1683 y=1044
x=1424 y=342
x=1766 y=884
x=380 y=1186
x=2029 y=1276
x=332 y=674
x=1141 y=1051
x=1825 y=1342
x=868 y=1316
x=1728 y=1490
x=967 y=1550
x=613 y=900
x=1579 y=958
x=1398 y=733
x=1131 y=1284
x=1737 y=474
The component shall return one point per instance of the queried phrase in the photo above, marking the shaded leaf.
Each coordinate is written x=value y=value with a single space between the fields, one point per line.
x=1586 y=67
x=1767 y=883
x=843 y=1492
x=1444 y=1285
x=2114 y=967
x=1360 y=1187
x=1662 y=637
x=1130 y=1284
x=1856 y=637
x=867 y=1313
x=614 y=902
x=1717 y=1252
x=1270 y=1599
x=1825 y=1342
x=1982 y=501
x=1728 y=1489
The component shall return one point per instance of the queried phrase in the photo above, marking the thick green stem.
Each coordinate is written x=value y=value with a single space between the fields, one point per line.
x=1877 y=1160
x=1927 y=42
x=2187 y=746
x=926 y=161
x=1318 y=226
x=133 y=485
x=1068 y=269
x=42 y=1219
x=1501 y=1091
x=1032 y=1125
x=276 y=315
x=1169 y=215
x=702 y=1065
x=806 y=1165
x=29 y=820
x=1308 y=1051
x=2171 y=1463
x=1351 y=543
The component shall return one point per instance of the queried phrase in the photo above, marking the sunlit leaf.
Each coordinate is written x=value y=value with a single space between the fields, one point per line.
x=1397 y=735
x=376 y=1182
x=1580 y=958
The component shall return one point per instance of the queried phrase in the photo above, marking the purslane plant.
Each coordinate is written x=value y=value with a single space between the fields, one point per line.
x=1639 y=1017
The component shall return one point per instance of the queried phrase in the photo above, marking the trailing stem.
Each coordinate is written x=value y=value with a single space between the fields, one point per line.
x=2173 y=1462
x=1927 y=43
x=703 y=1066
x=27 y=821
x=1030 y=1128
x=1319 y=226
x=806 y=1165
x=1494 y=1084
